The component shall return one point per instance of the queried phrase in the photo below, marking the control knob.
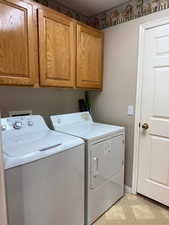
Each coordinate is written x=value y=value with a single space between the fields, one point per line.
x=3 y=127
x=30 y=123
x=17 y=125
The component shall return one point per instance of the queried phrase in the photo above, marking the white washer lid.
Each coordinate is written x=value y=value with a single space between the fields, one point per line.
x=32 y=152
x=32 y=140
x=21 y=146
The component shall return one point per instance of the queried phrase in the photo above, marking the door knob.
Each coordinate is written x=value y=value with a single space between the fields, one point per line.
x=145 y=126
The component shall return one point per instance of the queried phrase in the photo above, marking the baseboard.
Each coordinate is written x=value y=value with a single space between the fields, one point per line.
x=127 y=189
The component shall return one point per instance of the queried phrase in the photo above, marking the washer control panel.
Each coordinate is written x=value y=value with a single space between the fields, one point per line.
x=21 y=122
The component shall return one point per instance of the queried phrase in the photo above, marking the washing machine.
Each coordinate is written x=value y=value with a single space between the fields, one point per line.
x=104 y=160
x=44 y=173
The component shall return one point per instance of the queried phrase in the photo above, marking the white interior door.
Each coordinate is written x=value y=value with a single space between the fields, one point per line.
x=3 y=214
x=153 y=177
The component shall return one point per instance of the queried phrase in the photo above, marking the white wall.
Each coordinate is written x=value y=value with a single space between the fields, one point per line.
x=43 y=101
x=120 y=75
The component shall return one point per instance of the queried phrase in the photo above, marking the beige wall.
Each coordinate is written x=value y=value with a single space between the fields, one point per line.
x=119 y=89
x=43 y=101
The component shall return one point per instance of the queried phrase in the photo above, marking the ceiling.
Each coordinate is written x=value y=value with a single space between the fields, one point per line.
x=91 y=7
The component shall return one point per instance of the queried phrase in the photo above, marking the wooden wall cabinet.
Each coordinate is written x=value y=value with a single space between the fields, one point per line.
x=57 y=49
x=17 y=43
x=69 y=54
x=89 y=57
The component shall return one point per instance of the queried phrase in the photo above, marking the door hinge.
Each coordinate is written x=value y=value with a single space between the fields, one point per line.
x=139 y=124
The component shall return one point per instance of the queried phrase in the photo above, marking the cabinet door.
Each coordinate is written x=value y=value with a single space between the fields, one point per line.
x=56 y=49
x=89 y=57
x=17 y=43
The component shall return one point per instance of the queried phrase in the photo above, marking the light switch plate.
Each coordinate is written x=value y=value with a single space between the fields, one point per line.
x=130 y=110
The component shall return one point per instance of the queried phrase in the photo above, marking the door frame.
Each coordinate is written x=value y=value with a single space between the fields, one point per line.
x=143 y=28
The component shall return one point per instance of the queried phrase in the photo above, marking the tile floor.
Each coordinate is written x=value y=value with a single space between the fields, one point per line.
x=135 y=210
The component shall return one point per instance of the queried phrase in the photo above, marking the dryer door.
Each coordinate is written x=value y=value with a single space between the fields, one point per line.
x=106 y=159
